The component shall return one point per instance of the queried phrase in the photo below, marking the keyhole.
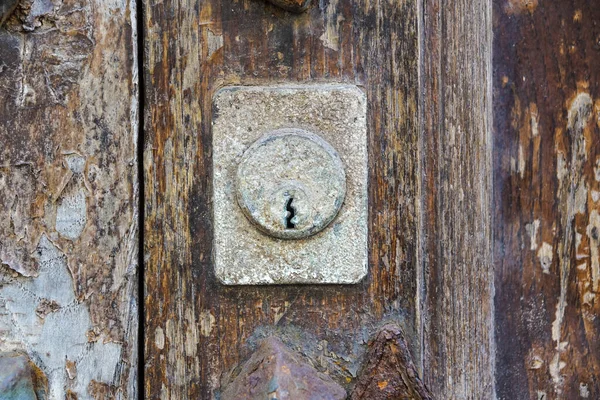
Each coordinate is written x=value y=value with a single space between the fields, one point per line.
x=291 y=213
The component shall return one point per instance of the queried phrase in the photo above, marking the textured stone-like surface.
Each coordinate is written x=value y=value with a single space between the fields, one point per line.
x=291 y=183
x=243 y=254
x=275 y=373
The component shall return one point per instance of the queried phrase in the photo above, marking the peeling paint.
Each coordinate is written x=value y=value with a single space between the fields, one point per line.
x=534 y=122
x=579 y=112
x=62 y=334
x=215 y=42
x=555 y=367
x=584 y=391
x=191 y=333
x=17 y=195
x=207 y=323
x=69 y=174
x=521 y=165
x=331 y=35
x=159 y=338
x=71 y=213
x=572 y=195
x=532 y=230
x=593 y=233
x=545 y=255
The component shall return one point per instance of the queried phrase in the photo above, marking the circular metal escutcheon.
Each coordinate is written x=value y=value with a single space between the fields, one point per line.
x=290 y=183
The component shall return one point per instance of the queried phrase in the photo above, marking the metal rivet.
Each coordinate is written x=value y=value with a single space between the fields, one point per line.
x=276 y=372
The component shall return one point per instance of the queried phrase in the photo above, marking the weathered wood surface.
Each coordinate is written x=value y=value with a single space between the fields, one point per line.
x=458 y=273
x=68 y=194
x=198 y=330
x=547 y=198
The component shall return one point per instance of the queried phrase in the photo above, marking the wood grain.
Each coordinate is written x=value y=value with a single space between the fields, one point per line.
x=197 y=330
x=458 y=350
x=68 y=194
x=546 y=198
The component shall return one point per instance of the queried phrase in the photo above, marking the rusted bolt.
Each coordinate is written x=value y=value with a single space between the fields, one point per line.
x=292 y=5
x=275 y=372
x=291 y=183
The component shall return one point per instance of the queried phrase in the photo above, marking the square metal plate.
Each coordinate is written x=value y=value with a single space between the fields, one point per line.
x=243 y=255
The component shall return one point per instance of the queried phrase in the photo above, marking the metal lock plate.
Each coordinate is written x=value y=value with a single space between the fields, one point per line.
x=290 y=184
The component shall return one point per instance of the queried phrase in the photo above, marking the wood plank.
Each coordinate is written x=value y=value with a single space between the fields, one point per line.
x=198 y=330
x=547 y=193
x=69 y=194
x=457 y=181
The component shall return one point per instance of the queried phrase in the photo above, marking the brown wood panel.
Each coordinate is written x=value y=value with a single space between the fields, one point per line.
x=196 y=329
x=457 y=315
x=69 y=193
x=546 y=196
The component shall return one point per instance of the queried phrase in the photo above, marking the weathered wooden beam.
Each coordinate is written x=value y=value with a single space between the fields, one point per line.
x=69 y=194
x=547 y=198
x=457 y=307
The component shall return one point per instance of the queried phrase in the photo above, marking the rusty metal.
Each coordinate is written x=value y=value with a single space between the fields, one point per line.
x=389 y=371
x=274 y=372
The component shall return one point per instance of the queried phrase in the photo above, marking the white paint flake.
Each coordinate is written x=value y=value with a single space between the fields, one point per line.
x=215 y=42
x=521 y=166
x=593 y=233
x=545 y=255
x=71 y=213
x=532 y=230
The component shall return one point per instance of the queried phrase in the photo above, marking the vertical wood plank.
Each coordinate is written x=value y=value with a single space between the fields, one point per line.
x=69 y=194
x=547 y=198
x=198 y=330
x=458 y=349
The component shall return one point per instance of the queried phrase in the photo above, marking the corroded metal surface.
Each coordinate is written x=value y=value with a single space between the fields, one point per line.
x=291 y=184
x=274 y=372
x=389 y=371
x=244 y=255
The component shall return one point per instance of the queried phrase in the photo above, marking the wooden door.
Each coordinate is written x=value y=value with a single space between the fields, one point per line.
x=425 y=69
x=482 y=129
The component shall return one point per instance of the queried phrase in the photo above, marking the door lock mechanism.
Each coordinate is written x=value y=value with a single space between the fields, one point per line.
x=291 y=184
